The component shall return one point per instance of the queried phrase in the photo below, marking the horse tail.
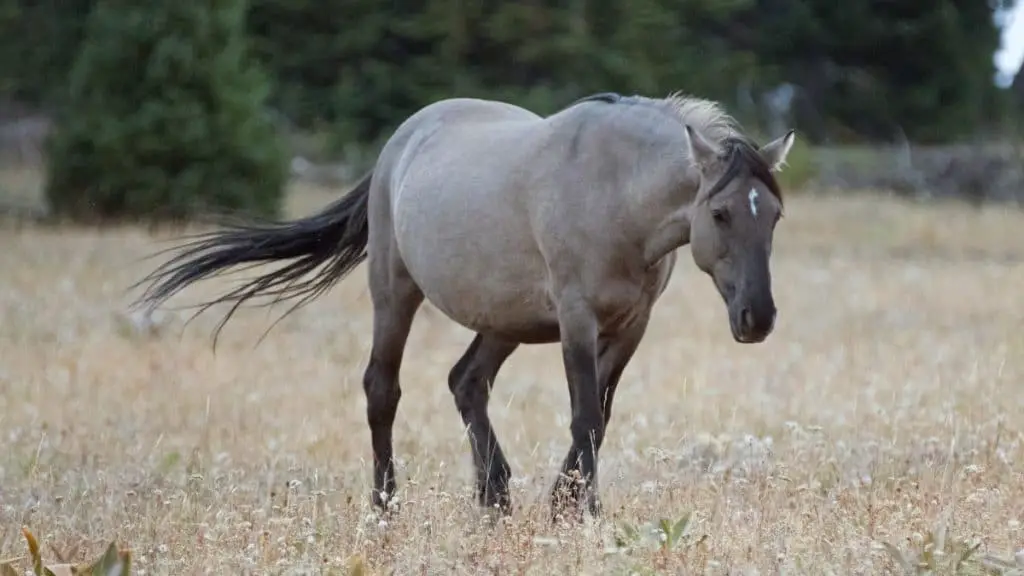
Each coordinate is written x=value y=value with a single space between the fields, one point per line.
x=336 y=237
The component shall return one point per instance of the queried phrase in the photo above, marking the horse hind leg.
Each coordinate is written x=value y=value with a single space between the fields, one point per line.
x=470 y=381
x=396 y=298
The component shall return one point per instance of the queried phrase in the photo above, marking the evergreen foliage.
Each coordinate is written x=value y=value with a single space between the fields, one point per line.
x=164 y=118
x=863 y=70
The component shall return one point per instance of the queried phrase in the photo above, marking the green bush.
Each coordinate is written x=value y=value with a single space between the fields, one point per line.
x=165 y=118
x=800 y=168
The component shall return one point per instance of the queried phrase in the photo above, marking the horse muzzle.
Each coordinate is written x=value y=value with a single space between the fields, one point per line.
x=751 y=322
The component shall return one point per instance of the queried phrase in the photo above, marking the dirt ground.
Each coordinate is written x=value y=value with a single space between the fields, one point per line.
x=887 y=409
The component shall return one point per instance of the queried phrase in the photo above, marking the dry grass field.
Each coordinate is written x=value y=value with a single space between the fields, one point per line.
x=887 y=407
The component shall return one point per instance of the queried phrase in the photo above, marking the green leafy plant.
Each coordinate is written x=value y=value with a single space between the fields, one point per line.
x=114 y=562
x=662 y=536
x=933 y=554
x=800 y=169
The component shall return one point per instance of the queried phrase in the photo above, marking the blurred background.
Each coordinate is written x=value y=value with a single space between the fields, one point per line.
x=165 y=107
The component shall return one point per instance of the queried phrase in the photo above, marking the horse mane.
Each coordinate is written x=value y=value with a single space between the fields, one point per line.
x=706 y=116
x=739 y=150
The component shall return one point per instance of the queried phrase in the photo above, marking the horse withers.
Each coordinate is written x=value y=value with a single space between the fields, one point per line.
x=526 y=230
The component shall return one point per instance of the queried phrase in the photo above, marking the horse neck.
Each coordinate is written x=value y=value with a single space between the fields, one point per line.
x=644 y=147
x=664 y=183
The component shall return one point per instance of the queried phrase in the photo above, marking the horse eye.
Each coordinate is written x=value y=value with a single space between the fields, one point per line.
x=720 y=216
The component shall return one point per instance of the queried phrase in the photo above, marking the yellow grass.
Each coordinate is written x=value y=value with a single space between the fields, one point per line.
x=887 y=406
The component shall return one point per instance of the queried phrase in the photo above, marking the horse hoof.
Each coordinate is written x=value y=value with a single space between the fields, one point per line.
x=573 y=508
x=494 y=515
x=384 y=504
x=499 y=502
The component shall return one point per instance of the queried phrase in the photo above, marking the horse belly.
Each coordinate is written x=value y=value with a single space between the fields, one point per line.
x=499 y=295
x=463 y=232
x=478 y=271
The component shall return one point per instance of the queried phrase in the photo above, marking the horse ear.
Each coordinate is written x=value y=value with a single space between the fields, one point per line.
x=701 y=151
x=775 y=152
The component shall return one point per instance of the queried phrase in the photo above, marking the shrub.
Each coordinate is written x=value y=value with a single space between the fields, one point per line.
x=800 y=169
x=165 y=118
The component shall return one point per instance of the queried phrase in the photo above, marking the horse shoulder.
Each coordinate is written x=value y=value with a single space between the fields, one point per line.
x=612 y=281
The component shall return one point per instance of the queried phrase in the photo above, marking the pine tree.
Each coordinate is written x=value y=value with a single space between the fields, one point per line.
x=165 y=118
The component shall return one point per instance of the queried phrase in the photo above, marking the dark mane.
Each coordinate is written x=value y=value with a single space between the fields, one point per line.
x=606 y=97
x=742 y=157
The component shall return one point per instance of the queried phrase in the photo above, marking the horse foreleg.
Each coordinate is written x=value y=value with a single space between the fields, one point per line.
x=613 y=356
x=470 y=381
x=395 y=301
x=578 y=478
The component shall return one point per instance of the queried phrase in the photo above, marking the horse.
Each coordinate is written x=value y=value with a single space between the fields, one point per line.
x=525 y=229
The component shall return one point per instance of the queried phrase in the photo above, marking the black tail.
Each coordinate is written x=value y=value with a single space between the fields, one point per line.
x=336 y=236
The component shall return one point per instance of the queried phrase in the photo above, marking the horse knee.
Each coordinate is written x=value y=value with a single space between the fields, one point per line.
x=463 y=377
x=382 y=394
x=456 y=374
x=464 y=385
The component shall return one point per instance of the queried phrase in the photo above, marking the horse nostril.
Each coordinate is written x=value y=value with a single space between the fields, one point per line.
x=747 y=319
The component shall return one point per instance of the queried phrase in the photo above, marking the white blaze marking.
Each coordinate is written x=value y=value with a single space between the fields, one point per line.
x=752 y=196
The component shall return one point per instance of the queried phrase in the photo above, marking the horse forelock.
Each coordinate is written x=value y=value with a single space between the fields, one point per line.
x=741 y=157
